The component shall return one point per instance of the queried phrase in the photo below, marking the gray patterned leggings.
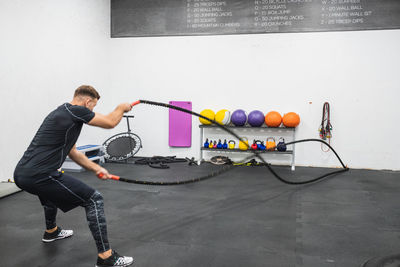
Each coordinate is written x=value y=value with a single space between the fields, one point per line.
x=94 y=214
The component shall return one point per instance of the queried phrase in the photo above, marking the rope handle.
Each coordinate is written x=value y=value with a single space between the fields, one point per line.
x=135 y=103
x=113 y=177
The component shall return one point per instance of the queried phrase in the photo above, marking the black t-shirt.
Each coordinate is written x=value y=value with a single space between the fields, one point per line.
x=54 y=140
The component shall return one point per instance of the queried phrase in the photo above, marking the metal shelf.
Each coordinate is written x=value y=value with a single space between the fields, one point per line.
x=248 y=150
x=248 y=127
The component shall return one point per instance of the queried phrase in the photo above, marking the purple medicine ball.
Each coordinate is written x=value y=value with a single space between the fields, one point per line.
x=256 y=118
x=239 y=117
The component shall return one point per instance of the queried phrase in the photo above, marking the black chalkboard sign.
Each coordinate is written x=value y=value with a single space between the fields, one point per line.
x=130 y=18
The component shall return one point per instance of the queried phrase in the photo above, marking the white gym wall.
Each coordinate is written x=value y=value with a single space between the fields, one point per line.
x=357 y=72
x=48 y=48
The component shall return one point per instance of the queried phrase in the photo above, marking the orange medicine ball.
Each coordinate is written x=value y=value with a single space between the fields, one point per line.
x=291 y=119
x=273 y=119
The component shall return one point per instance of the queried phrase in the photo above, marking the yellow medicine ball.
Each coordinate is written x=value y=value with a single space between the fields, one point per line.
x=223 y=117
x=208 y=113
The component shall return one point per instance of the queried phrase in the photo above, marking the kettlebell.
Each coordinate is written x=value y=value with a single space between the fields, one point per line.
x=260 y=145
x=244 y=145
x=206 y=143
x=231 y=144
x=219 y=145
x=254 y=146
x=225 y=145
x=281 y=146
x=211 y=144
x=215 y=144
x=270 y=143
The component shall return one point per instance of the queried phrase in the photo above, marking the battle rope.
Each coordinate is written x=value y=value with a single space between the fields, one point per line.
x=188 y=181
x=255 y=153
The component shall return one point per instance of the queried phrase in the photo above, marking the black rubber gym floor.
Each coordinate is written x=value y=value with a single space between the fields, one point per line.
x=244 y=217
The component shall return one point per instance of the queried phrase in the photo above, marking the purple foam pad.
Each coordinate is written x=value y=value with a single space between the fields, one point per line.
x=180 y=125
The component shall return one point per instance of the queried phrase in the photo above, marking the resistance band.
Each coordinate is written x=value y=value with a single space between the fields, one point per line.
x=326 y=126
x=255 y=153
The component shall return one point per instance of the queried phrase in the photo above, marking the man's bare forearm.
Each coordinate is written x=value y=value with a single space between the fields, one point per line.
x=83 y=161
x=116 y=115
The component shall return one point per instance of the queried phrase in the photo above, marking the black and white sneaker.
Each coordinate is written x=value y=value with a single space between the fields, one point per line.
x=57 y=234
x=114 y=260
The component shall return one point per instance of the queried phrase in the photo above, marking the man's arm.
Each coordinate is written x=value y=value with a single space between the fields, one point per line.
x=112 y=119
x=86 y=163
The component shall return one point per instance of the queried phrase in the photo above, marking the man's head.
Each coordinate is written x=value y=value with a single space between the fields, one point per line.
x=87 y=96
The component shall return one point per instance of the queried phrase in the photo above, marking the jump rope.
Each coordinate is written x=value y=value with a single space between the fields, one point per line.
x=255 y=153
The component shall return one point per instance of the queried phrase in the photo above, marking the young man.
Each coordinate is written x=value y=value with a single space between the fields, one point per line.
x=37 y=171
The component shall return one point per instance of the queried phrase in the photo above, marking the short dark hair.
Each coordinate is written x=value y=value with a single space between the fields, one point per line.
x=86 y=90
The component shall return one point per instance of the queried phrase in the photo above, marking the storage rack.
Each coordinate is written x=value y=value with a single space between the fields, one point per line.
x=248 y=127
